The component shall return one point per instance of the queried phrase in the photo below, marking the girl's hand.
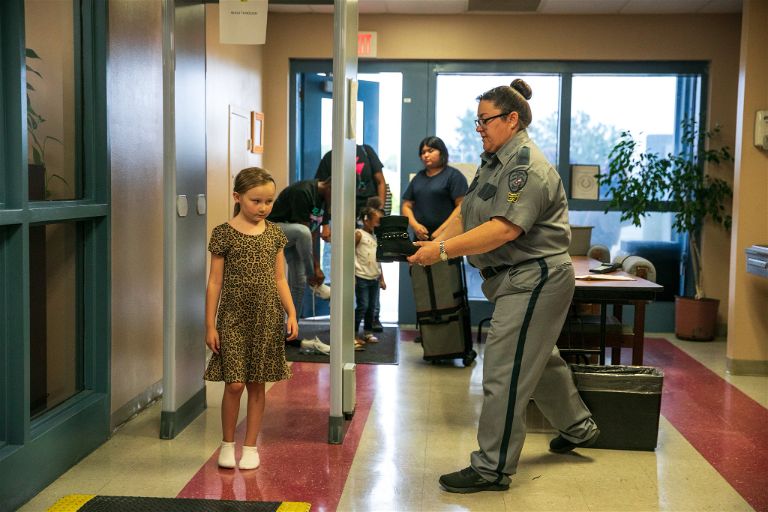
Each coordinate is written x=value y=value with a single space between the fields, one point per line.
x=421 y=231
x=292 y=328
x=212 y=340
x=428 y=253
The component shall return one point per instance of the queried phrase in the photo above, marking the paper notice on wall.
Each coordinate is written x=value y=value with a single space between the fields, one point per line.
x=242 y=21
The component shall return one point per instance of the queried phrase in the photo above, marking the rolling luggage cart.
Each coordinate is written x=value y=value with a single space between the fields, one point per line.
x=442 y=310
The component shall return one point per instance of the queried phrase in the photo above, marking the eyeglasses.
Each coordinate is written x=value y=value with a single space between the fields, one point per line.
x=483 y=122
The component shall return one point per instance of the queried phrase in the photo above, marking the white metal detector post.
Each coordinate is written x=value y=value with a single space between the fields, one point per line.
x=343 y=214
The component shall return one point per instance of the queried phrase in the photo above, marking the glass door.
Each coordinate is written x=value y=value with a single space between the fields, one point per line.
x=54 y=241
x=378 y=125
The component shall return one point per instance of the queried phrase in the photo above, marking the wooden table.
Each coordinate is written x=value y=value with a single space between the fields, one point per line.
x=637 y=293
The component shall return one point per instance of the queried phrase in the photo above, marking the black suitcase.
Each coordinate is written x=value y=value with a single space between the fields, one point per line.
x=442 y=311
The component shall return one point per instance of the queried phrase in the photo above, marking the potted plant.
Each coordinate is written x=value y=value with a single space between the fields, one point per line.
x=639 y=182
x=38 y=174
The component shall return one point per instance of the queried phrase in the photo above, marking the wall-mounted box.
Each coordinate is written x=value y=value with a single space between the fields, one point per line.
x=761 y=129
x=757 y=260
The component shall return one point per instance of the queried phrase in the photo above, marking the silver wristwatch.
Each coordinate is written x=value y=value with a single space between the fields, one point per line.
x=443 y=254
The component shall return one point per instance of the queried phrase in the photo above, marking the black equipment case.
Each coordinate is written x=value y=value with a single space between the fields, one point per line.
x=442 y=311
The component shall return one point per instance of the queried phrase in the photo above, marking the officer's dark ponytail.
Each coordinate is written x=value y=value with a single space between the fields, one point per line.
x=512 y=98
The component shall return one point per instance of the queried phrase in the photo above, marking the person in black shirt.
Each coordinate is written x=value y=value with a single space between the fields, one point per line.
x=299 y=210
x=370 y=175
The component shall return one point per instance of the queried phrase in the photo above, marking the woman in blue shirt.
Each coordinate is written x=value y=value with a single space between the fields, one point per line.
x=434 y=195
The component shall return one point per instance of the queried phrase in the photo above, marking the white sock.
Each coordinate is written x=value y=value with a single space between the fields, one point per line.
x=227 y=455
x=250 y=458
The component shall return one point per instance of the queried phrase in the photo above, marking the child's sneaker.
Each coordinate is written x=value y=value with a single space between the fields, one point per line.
x=316 y=345
x=322 y=290
x=370 y=338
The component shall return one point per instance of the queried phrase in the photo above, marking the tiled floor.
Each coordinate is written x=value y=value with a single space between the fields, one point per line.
x=417 y=420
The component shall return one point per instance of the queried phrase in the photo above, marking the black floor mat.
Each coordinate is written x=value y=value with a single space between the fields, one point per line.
x=383 y=352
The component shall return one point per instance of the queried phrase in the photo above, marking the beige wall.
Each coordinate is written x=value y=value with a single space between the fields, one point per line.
x=233 y=77
x=136 y=137
x=748 y=311
x=713 y=38
x=135 y=98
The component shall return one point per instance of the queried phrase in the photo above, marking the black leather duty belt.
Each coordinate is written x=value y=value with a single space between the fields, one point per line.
x=488 y=272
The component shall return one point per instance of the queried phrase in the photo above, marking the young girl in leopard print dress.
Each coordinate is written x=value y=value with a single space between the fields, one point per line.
x=245 y=307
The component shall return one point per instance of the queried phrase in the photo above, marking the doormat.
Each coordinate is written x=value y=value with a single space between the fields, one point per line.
x=383 y=352
x=92 y=503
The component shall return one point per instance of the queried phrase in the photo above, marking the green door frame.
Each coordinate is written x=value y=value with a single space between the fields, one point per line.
x=66 y=433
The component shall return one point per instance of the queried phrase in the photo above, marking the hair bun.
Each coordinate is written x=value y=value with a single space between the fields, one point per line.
x=522 y=87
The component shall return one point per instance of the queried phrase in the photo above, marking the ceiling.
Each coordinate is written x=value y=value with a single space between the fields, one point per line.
x=515 y=6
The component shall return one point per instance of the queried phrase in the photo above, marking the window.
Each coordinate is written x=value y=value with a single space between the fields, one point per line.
x=456 y=110
x=56 y=347
x=51 y=106
x=603 y=106
x=647 y=100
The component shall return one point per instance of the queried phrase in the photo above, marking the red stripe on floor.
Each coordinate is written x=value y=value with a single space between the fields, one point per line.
x=297 y=463
x=725 y=425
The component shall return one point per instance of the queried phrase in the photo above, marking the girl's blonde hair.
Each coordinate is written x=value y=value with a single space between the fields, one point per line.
x=247 y=179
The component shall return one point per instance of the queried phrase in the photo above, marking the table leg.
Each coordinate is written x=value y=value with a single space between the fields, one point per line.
x=639 y=333
x=603 y=319
x=616 y=348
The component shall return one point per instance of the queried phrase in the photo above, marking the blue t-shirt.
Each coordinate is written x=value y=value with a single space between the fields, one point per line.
x=434 y=197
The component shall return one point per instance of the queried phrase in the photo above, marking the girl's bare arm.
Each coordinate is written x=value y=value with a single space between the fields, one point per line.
x=292 y=325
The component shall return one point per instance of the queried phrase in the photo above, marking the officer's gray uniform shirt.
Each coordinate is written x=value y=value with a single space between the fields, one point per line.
x=519 y=184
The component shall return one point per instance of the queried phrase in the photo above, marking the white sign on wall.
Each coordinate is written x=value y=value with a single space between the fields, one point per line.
x=242 y=21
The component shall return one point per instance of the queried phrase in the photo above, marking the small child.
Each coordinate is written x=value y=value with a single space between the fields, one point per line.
x=375 y=203
x=247 y=287
x=368 y=276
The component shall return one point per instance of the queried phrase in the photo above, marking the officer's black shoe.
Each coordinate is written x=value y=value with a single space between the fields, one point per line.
x=468 y=480
x=376 y=326
x=393 y=241
x=562 y=445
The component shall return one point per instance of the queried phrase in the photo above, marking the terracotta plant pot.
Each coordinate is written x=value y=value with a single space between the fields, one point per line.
x=696 y=319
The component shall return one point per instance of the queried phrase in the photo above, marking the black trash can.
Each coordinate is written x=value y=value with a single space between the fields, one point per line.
x=625 y=402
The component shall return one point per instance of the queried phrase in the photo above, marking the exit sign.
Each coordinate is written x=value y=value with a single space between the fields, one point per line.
x=366 y=44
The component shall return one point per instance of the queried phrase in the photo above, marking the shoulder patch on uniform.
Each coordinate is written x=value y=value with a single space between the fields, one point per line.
x=524 y=156
x=517 y=180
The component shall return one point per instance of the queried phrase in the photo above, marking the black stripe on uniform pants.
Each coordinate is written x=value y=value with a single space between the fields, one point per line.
x=516 y=370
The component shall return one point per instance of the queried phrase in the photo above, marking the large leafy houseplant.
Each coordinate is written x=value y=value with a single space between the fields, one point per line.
x=35 y=120
x=640 y=182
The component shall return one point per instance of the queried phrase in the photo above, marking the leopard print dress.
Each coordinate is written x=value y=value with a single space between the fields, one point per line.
x=251 y=319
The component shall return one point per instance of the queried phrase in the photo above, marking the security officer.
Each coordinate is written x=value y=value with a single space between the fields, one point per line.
x=514 y=227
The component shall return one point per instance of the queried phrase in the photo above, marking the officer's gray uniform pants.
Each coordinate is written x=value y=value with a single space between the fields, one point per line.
x=298 y=260
x=521 y=361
